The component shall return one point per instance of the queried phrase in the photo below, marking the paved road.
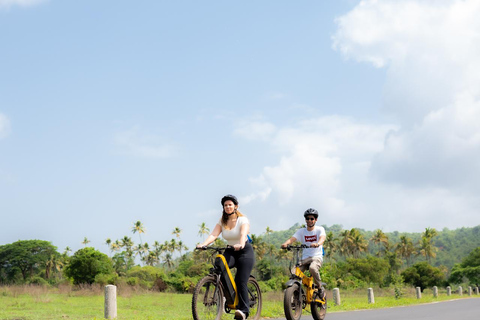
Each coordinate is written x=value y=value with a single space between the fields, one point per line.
x=448 y=310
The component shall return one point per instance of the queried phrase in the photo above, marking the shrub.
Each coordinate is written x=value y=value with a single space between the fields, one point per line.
x=423 y=275
x=86 y=264
x=38 y=281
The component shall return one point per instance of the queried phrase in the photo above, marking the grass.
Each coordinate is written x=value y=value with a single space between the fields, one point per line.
x=34 y=302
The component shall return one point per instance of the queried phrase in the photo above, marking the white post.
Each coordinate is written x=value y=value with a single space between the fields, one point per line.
x=469 y=291
x=435 y=292
x=110 y=302
x=419 y=292
x=476 y=290
x=336 y=296
x=460 y=290
x=371 y=298
x=449 y=291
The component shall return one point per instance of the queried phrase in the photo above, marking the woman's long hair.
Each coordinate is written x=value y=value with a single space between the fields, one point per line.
x=225 y=216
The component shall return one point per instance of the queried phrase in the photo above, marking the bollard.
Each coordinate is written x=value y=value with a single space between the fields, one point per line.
x=460 y=290
x=110 y=302
x=419 y=292
x=336 y=296
x=469 y=291
x=449 y=291
x=371 y=298
x=476 y=290
x=435 y=291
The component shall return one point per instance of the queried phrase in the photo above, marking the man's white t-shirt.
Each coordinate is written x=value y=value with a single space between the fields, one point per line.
x=307 y=237
x=233 y=235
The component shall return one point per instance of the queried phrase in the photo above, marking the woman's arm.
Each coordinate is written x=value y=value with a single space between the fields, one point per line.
x=244 y=230
x=214 y=235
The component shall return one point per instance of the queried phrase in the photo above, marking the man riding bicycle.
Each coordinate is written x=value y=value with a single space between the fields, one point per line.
x=314 y=236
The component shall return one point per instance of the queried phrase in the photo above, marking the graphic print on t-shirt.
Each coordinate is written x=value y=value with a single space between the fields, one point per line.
x=311 y=238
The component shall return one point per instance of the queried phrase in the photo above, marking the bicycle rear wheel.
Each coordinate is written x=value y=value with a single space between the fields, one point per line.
x=255 y=297
x=292 y=302
x=207 y=300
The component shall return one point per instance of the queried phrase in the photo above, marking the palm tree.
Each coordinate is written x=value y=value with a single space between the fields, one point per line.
x=405 y=248
x=380 y=238
x=53 y=263
x=177 y=232
x=85 y=241
x=67 y=251
x=427 y=249
x=345 y=243
x=181 y=247
x=203 y=230
x=359 y=244
x=138 y=227
x=330 y=245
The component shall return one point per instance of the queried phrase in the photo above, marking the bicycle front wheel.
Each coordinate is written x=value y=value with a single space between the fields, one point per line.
x=292 y=303
x=319 y=310
x=207 y=300
x=255 y=298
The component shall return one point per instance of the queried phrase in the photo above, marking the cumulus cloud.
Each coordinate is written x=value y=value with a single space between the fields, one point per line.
x=422 y=171
x=431 y=51
x=136 y=142
x=22 y=3
x=4 y=126
x=312 y=157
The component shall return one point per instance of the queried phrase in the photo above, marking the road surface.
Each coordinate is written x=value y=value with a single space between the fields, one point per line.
x=468 y=308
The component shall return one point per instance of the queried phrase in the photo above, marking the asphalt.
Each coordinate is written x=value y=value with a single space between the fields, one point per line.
x=468 y=308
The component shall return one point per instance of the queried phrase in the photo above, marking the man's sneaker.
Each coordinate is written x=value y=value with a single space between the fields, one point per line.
x=239 y=315
x=321 y=293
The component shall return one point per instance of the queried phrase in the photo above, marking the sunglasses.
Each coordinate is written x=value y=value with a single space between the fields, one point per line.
x=309 y=219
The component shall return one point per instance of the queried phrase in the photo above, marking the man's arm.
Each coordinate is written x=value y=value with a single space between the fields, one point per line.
x=289 y=241
x=319 y=243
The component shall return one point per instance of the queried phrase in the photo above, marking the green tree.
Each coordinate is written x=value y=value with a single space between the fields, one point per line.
x=26 y=256
x=380 y=238
x=405 y=249
x=85 y=241
x=138 y=228
x=203 y=231
x=427 y=249
x=423 y=275
x=469 y=269
x=86 y=264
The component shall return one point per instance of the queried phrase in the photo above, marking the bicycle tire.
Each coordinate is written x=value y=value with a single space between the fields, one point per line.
x=255 y=297
x=292 y=302
x=207 y=300
x=319 y=311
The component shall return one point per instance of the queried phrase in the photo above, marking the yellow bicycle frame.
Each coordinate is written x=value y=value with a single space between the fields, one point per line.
x=308 y=282
x=235 y=304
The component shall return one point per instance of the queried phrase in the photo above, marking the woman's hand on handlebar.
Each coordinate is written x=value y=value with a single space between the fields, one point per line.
x=201 y=247
x=238 y=246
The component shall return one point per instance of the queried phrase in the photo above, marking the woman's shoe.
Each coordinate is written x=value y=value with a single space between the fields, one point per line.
x=239 y=315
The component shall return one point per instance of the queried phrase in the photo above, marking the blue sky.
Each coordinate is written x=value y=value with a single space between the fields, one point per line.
x=118 y=111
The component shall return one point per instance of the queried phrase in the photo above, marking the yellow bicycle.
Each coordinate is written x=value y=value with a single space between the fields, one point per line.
x=215 y=295
x=300 y=292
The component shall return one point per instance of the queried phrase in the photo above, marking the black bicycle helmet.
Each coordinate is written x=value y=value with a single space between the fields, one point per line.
x=311 y=212
x=230 y=197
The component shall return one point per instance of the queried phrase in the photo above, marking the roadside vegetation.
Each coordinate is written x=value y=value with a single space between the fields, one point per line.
x=155 y=281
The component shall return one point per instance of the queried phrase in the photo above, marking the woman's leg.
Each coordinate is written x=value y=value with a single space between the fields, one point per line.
x=244 y=264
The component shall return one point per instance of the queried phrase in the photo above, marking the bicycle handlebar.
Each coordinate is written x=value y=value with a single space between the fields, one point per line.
x=215 y=248
x=302 y=246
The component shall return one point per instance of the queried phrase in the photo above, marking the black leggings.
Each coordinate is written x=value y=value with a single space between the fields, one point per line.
x=243 y=260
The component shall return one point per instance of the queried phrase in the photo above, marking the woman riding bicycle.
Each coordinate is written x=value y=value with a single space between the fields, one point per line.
x=234 y=227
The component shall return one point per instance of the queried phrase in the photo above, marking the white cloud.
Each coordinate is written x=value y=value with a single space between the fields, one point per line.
x=137 y=143
x=22 y=3
x=313 y=156
x=4 y=126
x=431 y=50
